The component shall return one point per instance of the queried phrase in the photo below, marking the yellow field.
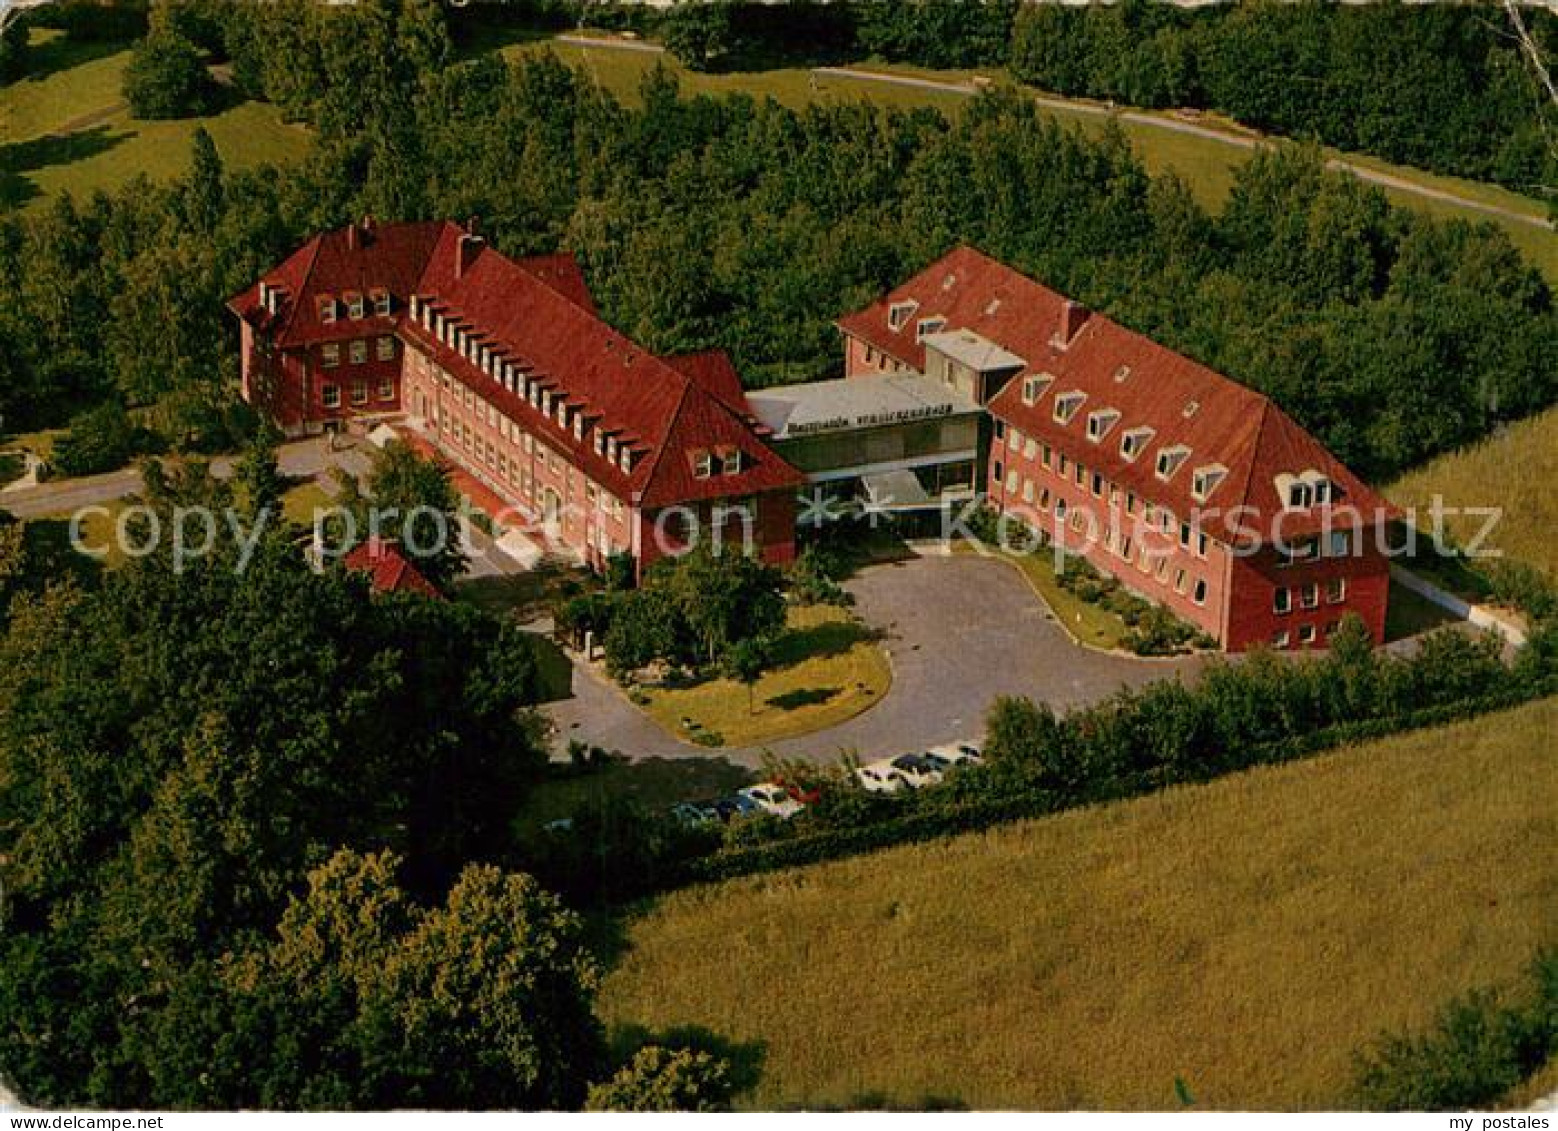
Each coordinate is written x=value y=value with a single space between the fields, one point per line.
x=826 y=669
x=1514 y=469
x=1244 y=937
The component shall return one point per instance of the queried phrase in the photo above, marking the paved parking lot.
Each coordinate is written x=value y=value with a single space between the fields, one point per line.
x=960 y=631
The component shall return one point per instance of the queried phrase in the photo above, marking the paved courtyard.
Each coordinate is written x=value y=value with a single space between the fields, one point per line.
x=960 y=631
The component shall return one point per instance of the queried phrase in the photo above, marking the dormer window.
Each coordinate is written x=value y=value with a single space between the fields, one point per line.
x=702 y=463
x=1170 y=459
x=578 y=425
x=1134 y=442
x=381 y=302
x=1099 y=423
x=929 y=326
x=1191 y=408
x=1067 y=404
x=732 y=462
x=326 y=309
x=625 y=459
x=1122 y=375
x=1206 y=480
x=354 y=305
x=1033 y=387
x=1300 y=495
x=899 y=313
x=1324 y=489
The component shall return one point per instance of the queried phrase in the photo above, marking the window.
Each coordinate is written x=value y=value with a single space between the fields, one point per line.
x=359 y=351
x=733 y=462
x=386 y=388
x=1191 y=408
x=1000 y=429
x=899 y=313
x=1310 y=595
x=1134 y=442
x=1099 y=423
x=1282 y=601
x=1206 y=480
x=1030 y=448
x=326 y=309
x=1066 y=405
x=381 y=303
x=359 y=391
x=929 y=326
x=330 y=354
x=1081 y=474
x=1044 y=499
x=1280 y=640
x=384 y=349
x=1336 y=590
x=996 y=472
x=1179 y=581
x=1199 y=595
x=1033 y=387
x=1012 y=479
x=1306 y=634
x=1027 y=490
x=1130 y=502
x=1200 y=544
x=1098 y=485
x=1341 y=543
x=1299 y=551
x=1060 y=510
x=1014 y=442
x=330 y=395
x=1170 y=459
x=1064 y=464
x=1045 y=454
x=1184 y=535
x=1300 y=495
x=354 y=305
x=1323 y=492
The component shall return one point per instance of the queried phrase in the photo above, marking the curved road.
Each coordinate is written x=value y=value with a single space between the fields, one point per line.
x=960 y=631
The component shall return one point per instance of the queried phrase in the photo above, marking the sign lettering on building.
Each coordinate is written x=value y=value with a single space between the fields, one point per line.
x=869 y=420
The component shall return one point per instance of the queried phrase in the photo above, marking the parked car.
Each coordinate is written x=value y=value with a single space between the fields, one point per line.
x=736 y=805
x=958 y=754
x=918 y=770
x=696 y=813
x=772 y=798
x=880 y=777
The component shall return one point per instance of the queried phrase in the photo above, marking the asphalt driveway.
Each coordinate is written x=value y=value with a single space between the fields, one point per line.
x=959 y=631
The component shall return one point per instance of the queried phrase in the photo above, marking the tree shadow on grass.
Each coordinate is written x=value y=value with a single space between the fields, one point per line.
x=819 y=641
x=803 y=697
x=63 y=52
x=20 y=158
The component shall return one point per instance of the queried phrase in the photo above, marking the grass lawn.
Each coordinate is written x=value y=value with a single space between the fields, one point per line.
x=1090 y=624
x=826 y=669
x=68 y=130
x=98 y=530
x=300 y=502
x=655 y=783
x=38 y=443
x=1513 y=469
x=1245 y=937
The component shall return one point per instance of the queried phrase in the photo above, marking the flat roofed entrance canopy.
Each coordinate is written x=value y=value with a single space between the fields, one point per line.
x=855 y=403
x=894 y=489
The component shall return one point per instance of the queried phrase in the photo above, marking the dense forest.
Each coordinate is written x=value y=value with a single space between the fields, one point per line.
x=750 y=226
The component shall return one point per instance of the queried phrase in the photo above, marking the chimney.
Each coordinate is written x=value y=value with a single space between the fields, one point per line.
x=470 y=247
x=1073 y=316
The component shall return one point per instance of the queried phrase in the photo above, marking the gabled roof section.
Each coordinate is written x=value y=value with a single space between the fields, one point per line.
x=714 y=373
x=388 y=569
x=972 y=292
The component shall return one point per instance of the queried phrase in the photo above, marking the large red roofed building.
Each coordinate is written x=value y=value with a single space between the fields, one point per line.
x=505 y=367
x=1191 y=489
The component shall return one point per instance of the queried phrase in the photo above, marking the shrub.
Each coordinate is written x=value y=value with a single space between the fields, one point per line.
x=101 y=439
x=166 y=78
x=666 y=1079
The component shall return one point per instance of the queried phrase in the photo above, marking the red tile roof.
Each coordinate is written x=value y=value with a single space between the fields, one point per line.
x=1149 y=385
x=388 y=569
x=539 y=312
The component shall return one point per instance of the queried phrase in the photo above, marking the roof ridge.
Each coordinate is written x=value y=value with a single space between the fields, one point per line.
x=316 y=244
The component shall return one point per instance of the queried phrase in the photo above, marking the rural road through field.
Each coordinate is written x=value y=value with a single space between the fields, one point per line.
x=1136 y=117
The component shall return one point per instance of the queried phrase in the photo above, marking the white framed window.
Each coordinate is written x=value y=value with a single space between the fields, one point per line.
x=1000 y=429
x=381 y=303
x=326 y=309
x=1014 y=441
x=899 y=313
x=928 y=326
x=1046 y=455
x=1134 y=442
x=1171 y=459
x=1180 y=579
x=702 y=464
x=1309 y=596
x=1282 y=600
x=1067 y=404
x=1099 y=423
x=733 y=462
x=354 y=305
x=1324 y=491
x=1281 y=639
x=359 y=392
x=386 y=388
x=1012 y=480
x=330 y=395
x=1340 y=543
x=1198 y=595
x=1336 y=590
x=330 y=354
x=1030 y=449
x=384 y=348
x=359 y=350
x=1306 y=634
x=1033 y=387
x=1206 y=480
